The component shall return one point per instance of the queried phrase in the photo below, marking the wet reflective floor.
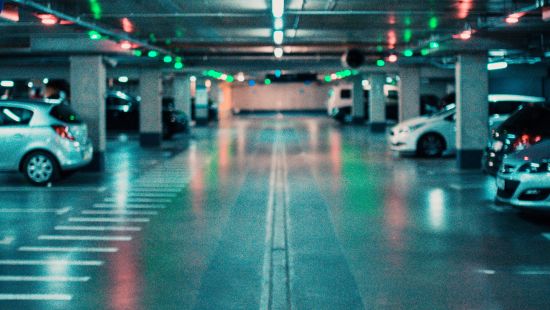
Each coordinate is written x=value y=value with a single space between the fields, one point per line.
x=270 y=212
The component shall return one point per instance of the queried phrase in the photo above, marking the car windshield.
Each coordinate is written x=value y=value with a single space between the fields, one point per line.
x=445 y=110
x=65 y=114
x=533 y=119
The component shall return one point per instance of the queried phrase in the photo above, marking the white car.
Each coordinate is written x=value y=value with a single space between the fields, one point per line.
x=434 y=135
x=523 y=180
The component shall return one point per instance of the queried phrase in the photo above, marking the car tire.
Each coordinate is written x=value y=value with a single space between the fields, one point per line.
x=431 y=145
x=40 y=168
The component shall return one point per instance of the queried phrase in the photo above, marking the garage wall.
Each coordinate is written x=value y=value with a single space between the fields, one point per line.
x=279 y=97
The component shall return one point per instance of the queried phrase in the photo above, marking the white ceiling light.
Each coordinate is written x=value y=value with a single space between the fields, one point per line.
x=278 y=52
x=278 y=37
x=7 y=83
x=278 y=23
x=497 y=65
x=240 y=77
x=278 y=8
x=123 y=79
x=193 y=78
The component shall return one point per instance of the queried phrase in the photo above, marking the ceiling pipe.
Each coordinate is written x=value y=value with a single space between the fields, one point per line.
x=120 y=36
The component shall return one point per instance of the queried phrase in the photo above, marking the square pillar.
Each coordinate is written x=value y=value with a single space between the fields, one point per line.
x=182 y=94
x=150 y=109
x=88 y=87
x=377 y=103
x=358 y=108
x=409 y=93
x=472 y=109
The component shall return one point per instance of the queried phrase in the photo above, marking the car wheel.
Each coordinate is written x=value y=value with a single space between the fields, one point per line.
x=40 y=168
x=431 y=145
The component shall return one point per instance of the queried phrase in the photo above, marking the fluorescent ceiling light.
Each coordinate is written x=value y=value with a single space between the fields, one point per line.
x=278 y=23
x=278 y=8
x=278 y=37
x=7 y=83
x=497 y=65
x=278 y=52
x=123 y=79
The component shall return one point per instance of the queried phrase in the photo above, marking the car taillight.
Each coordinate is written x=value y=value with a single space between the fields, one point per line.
x=63 y=132
x=524 y=141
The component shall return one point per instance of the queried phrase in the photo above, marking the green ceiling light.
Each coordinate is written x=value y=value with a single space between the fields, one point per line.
x=407 y=21
x=380 y=48
x=152 y=37
x=267 y=81
x=433 y=23
x=167 y=41
x=230 y=79
x=167 y=59
x=95 y=8
x=408 y=53
x=407 y=35
x=138 y=53
x=153 y=54
x=380 y=63
x=178 y=59
x=434 y=45
x=424 y=52
x=178 y=65
x=94 y=35
x=328 y=78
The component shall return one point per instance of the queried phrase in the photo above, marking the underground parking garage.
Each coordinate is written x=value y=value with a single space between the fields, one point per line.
x=271 y=154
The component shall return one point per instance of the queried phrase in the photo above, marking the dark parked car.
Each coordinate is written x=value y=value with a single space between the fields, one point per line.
x=122 y=111
x=173 y=121
x=528 y=126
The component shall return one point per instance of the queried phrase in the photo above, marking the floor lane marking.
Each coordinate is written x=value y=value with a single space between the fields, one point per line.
x=152 y=195
x=60 y=211
x=38 y=297
x=128 y=206
x=84 y=238
x=43 y=279
x=7 y=240
x=118 y=212
x=108 y=219
x=138 y=200
x=50 y=262
x=154 y=190
x=68 y=249
x=97 y=228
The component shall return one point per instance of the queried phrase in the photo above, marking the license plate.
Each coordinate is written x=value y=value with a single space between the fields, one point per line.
x=501 y=183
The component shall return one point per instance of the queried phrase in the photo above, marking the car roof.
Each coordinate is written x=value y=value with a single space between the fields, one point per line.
x=29 y=103
x=521 y=98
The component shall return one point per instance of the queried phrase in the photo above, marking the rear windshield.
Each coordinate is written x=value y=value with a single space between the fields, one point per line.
x=504 y=107
x=529 y=119
x=65 y=114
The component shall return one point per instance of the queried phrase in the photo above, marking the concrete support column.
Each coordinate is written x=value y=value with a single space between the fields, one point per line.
x=88 y=87
x=409 y=93
x=182 y=94
x=150 y=109
x=377 y=103
x=358 y=109
x=472 y=128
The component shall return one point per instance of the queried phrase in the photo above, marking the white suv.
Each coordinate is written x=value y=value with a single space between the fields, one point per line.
x=434 y=135
x=42 y=140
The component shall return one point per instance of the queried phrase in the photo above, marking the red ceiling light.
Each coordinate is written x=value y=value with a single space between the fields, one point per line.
x=10 y=12
x=392 y=58
x=125 y=45
x=47 y=19
x=465 y=35
x=127 y=25
x=513 y=18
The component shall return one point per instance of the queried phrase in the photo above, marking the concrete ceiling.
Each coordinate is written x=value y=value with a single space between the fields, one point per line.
x=229 y=33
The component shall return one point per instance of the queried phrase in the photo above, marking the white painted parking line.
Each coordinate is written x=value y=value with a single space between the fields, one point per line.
x=43 y=279
x=128 y=206
x=97 y=228
x=152 y=195
x=7 y=240
x=154 y=190
x=67 y=249
x=35 y=189
x=84 y=238
x=138 y=200
x=108 y=219
x=38 y=297
x=35 y=210
x=50 y=262
x=118 y=212
x=486 y=271
x=534 y=272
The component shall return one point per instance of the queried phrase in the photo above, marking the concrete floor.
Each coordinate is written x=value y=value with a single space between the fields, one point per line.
x=269 y=212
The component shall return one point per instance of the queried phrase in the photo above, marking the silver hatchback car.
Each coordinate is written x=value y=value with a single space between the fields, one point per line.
x=42 y=140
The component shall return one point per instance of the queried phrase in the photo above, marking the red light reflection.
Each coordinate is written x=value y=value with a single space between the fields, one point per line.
x=127 y=25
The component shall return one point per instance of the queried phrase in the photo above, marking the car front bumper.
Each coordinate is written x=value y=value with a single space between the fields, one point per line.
x=524 y=190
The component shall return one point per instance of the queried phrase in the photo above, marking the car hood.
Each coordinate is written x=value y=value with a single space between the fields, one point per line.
x=535 y=153
x=416 y=121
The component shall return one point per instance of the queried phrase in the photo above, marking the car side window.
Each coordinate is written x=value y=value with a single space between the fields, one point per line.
x=10 y=116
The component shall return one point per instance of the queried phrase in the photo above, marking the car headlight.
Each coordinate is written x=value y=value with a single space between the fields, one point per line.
x=410 y=128
x=543 y=167
x=497 y=146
